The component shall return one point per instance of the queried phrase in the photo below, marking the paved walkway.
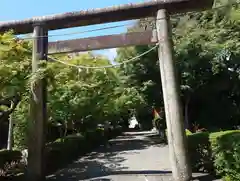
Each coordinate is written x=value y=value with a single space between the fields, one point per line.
x=136 y=156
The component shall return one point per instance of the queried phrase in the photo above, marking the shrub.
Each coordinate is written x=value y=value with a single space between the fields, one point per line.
x=217 y=152
x=65 y=148
x=95 y=136
x=199 y=148
x=58 y=153
x=226 y=153
x=71 y=146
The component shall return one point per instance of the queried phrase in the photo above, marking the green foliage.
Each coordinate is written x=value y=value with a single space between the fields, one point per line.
x=78 y=98
x=89 y=96
x=207 y=50
x=200 y=152
x=15 y=67
x=21 y=117
x=226 y=153
x=15 y=56
x=216 y=152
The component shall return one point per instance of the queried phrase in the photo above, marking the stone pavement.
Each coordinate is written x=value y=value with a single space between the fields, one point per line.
x=136 y=156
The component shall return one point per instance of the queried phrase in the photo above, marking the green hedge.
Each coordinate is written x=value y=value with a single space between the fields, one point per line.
x=59 y=152
x=64 y=150
x=72 y=146
x=217 y=152
x=200 y=151
x=226 y=152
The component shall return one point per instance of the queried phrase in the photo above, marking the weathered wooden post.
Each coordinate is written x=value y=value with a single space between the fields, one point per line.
x=181 y=168
x=36 y=142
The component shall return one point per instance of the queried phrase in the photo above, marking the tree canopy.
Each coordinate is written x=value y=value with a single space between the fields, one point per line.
x=207 y=51
x=78 y=98
x=206 y=48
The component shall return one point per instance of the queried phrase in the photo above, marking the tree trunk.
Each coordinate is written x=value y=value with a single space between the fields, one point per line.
x=65 y=129
x=186 y=119
x=10 y=133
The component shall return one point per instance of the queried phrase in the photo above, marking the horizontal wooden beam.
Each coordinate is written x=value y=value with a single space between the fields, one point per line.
x=105 y=15
x=103 y=42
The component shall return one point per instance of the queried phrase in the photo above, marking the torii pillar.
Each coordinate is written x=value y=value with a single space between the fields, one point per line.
x=181 y=167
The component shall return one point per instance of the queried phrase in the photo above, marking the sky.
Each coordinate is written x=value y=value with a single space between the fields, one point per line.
x=18 y=10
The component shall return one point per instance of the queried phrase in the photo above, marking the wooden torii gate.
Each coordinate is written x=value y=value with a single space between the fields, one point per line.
x=41 y=48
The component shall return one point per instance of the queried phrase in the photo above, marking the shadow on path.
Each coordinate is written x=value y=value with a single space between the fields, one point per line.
x=123 y=159
x=109 y=161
